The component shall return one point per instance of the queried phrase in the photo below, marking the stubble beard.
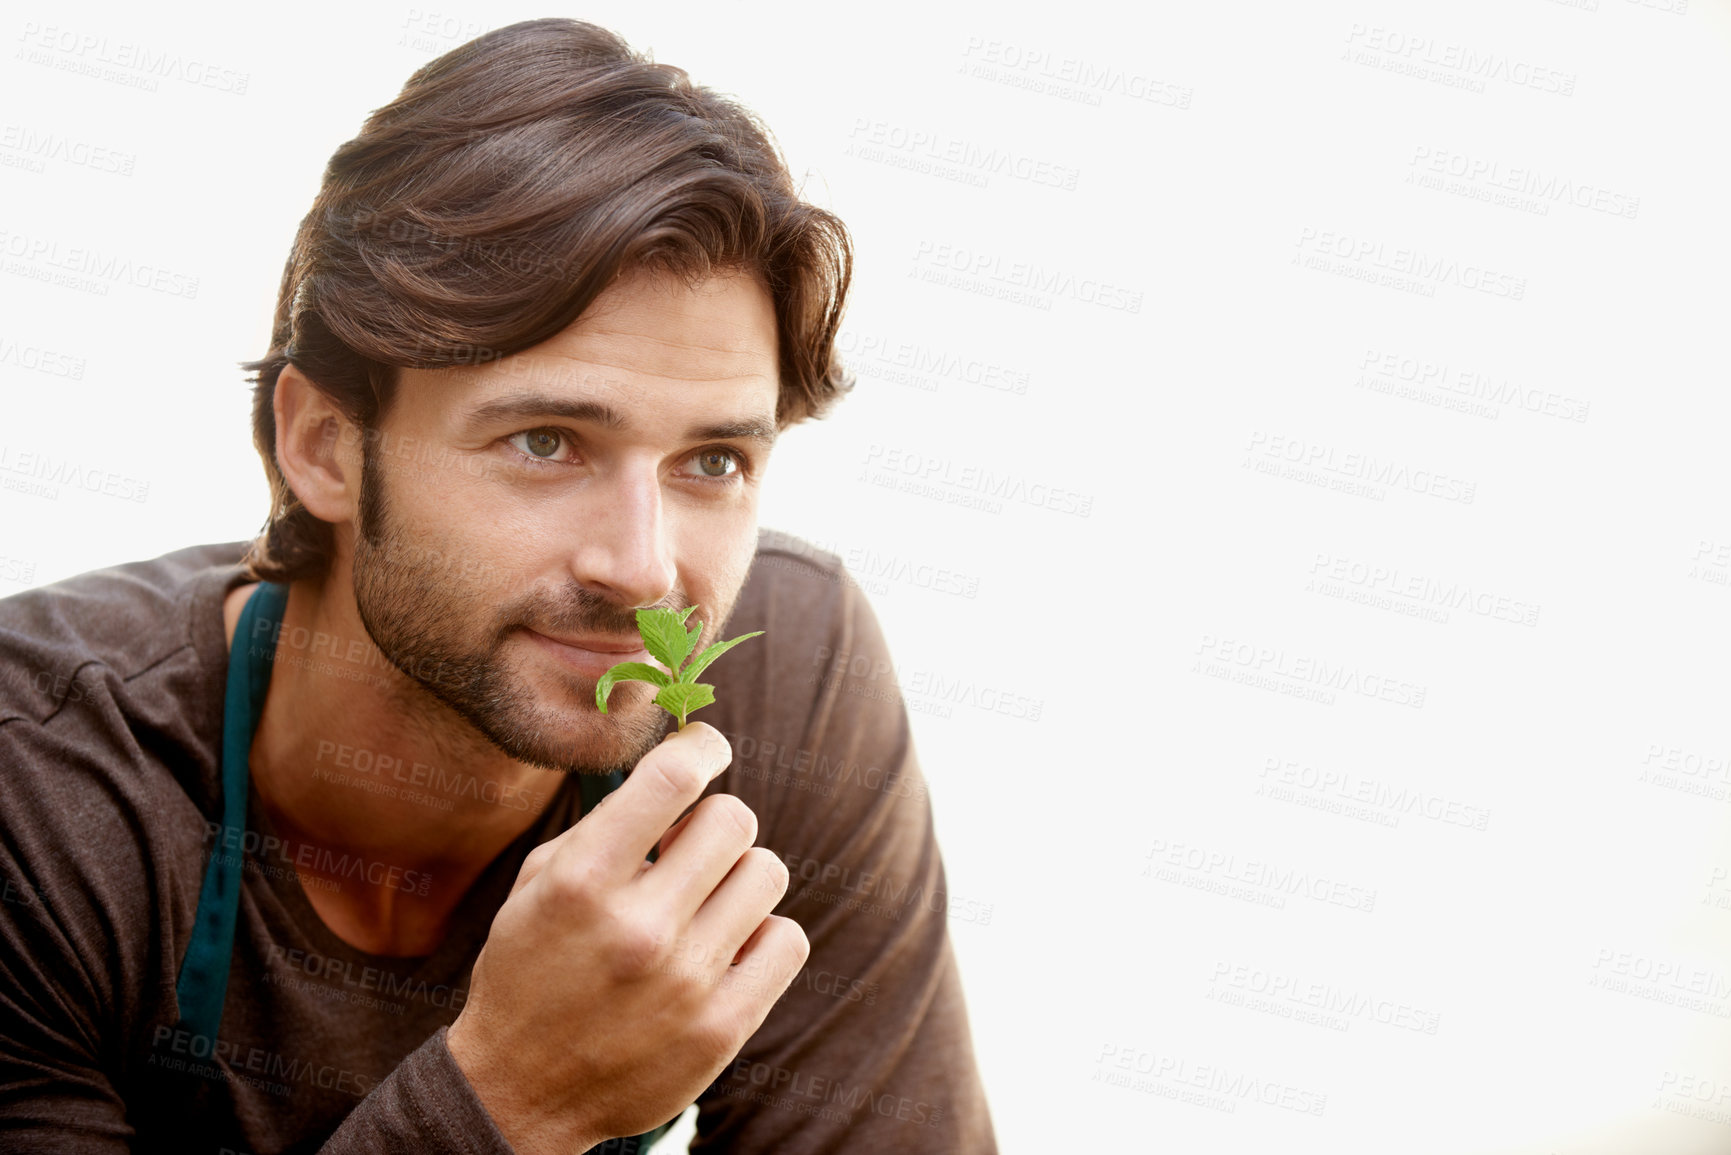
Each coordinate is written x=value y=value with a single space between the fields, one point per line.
x=417 y=615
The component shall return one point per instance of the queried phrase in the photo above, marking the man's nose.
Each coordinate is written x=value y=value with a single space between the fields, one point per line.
x=622 y=548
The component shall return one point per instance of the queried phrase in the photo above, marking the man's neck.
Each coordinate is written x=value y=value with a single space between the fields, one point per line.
x=353 y=757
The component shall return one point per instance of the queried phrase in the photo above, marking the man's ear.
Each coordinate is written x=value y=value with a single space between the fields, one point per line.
x=318 y=448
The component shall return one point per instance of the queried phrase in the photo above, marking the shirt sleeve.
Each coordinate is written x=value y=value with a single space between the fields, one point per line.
x=68 y=968
x=426 y=1106
x=869 y=1049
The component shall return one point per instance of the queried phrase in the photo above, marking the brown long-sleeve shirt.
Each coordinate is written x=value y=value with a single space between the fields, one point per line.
x=111 y=707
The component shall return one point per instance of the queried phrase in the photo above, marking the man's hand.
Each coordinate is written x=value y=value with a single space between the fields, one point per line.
x=603 y=1001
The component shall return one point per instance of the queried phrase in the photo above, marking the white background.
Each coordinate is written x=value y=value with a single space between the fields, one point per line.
x=1502 y=278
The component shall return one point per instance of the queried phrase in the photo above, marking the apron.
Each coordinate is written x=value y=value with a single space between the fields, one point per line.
x=203 y=982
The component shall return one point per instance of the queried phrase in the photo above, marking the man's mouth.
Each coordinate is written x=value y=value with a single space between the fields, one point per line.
x=590 y=656
x=598 y=645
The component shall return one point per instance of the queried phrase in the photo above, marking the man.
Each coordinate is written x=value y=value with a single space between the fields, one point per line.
x=293 y=857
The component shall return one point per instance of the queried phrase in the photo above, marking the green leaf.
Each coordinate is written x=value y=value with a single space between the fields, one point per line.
x=664 y=635
x=701 y=661
x=681 y=698
x=627 y=672
x=691 y=640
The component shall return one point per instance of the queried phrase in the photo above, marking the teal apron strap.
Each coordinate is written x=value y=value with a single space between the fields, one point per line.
x=204 y=971
x=592 y=788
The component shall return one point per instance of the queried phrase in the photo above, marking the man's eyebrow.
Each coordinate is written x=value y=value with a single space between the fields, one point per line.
x=533 y=406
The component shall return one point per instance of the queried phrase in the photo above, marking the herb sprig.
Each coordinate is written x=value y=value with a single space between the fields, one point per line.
x=670 y=643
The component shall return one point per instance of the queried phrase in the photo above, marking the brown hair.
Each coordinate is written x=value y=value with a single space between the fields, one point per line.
x=482 y=210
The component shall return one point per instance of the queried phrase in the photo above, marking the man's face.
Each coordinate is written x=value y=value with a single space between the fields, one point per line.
x=513 y=511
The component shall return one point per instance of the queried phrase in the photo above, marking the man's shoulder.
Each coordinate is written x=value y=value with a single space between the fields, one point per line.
x=780 y=549
x=794 y=724
x=127 y=619
x=110 y=724
x=802 y=595
x=794 y=575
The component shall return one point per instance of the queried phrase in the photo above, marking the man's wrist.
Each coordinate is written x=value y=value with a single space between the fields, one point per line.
x=525 y=1125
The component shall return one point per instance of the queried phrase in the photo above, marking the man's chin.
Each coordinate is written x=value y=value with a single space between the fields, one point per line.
x=574 y=740
x=544 y=715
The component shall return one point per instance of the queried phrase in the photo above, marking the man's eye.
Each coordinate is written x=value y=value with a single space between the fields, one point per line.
x=550 y=444
x=538 y=442
x=715 y=462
